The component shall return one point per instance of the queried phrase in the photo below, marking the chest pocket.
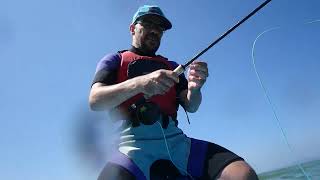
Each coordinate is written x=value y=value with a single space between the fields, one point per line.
x=142 y=67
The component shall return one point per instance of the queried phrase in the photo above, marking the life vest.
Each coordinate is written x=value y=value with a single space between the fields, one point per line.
x=133 y=65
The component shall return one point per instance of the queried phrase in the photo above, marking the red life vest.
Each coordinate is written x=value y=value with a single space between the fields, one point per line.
x=166 y=102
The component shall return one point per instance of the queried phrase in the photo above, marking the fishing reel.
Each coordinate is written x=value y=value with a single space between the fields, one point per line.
x=144 y=112
x=148 y=113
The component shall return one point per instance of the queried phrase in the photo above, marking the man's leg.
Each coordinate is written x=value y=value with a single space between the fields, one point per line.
x=221 y=163
x=211 y=161
x=237 y=170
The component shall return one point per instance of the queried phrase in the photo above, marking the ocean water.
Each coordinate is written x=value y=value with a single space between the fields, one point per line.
x=294 y=173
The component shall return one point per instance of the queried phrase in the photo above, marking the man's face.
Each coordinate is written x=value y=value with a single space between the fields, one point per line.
x=147 y=34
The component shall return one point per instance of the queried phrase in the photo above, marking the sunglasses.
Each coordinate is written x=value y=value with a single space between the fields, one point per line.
x=151 y=25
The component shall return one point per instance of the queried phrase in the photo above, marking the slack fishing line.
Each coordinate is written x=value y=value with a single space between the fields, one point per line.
x=284 y=135
x=169 y=154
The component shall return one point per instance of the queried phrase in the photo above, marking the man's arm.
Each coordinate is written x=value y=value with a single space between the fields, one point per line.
x=106 y=97
x=191 y=98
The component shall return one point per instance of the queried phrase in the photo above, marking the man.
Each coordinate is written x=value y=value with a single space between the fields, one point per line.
x=146 y=92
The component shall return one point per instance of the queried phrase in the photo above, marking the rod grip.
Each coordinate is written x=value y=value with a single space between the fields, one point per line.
x=179 y=70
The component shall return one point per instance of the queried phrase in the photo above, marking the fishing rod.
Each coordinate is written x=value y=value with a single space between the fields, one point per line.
x=181 y=68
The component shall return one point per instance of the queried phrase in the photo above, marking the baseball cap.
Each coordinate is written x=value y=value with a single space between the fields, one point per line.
x=147 y=10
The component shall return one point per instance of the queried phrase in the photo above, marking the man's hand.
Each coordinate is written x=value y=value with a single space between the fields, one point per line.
x=197 y=75
x=158 y=82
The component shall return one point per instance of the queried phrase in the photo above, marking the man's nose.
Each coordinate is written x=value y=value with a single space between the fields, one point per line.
x=156 y=30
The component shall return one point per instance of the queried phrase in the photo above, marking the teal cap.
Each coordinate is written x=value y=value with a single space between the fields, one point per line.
x=154 y=10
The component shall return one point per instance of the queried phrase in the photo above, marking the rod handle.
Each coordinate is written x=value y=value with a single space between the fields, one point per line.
x=179 y=70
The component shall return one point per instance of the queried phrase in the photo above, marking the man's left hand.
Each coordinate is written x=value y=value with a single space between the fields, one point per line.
x=197 y=75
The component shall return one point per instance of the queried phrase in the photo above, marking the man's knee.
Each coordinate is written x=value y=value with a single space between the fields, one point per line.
x=238 y=170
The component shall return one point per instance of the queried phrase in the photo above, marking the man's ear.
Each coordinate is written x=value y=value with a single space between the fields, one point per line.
x=131 y=28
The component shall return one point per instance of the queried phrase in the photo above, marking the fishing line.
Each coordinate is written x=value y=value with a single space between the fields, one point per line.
x=284 y=135
x=169 y=154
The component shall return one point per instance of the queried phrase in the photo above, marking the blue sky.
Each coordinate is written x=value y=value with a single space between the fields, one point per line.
x=49 y=51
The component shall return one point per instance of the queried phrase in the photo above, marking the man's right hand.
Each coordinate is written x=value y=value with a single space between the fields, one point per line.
x=157 y=83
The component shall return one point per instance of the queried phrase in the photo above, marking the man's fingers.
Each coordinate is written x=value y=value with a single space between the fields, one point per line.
x=155 y=89
x=198 y=73
x=167 y=83
x=173 y=76
x=200 y=66
x=196 y=78
x=161 y=81
x=197 y=62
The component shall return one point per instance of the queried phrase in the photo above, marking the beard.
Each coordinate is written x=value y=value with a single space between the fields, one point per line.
x=151 y=43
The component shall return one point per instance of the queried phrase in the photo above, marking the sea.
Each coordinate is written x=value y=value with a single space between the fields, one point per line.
x=312 y=169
